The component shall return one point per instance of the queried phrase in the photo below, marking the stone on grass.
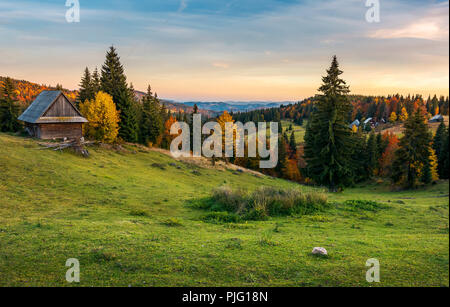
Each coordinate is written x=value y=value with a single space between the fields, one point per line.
x=319 y=251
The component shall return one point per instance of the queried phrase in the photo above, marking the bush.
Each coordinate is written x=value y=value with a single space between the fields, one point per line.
x=266 y=202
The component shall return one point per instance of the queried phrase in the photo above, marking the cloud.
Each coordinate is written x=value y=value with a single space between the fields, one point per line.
x=183 y=6
x=431 y=24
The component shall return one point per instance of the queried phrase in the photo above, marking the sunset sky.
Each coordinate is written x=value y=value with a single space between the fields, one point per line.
x=247 y=50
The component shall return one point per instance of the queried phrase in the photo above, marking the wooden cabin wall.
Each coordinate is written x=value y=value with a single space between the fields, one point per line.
x=61 y=108
x=57 y=131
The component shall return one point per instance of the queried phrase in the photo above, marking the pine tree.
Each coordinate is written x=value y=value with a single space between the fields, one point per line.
x=438 y=146
x=85 y=92
x=360 y=157
x=282 y=165
x=95 y=81
x=426 y=177
x=9 y=110
x=293 y=144
x=444 y=158
x=114 y=82
x=372 y=154
x=151 y=124
x=413 y=152
x=328 y=140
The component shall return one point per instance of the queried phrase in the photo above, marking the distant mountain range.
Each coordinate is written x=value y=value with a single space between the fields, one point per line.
x=235 y=106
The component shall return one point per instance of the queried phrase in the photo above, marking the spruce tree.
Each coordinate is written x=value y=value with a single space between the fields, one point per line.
x=438 y=146
x=328 y=140
x=293 y=144
x=413 y=152
x=282 y=157
x=444 y=157
x=151 y=124
x=372 y=154
x=360 y=157
x=86 y=91
x=426 y=176
x=9 y=110
x=95 y=81
x=114 y=82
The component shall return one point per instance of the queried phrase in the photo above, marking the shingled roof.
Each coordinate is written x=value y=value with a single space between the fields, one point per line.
x=34 y=113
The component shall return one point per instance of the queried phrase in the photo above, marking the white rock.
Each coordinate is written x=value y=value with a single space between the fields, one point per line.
x=319 y=251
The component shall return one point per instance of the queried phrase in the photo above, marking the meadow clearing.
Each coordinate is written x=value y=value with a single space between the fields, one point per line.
x=128 y=217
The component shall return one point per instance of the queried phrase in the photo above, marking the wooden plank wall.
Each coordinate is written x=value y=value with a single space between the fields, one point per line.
x=63 y=130
x=61 y=108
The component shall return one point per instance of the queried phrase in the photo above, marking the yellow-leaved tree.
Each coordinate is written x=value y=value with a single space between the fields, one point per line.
x=433 y=165
x=404 y=115
x=103 y=118
x=393 y=117
x=222 y=120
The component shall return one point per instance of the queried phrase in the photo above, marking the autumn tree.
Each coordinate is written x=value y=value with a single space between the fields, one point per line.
x=167 y=137
x=328 y=139
x=103 y=118
x=404 y=115
x=393 y=117
x=9 y=110
x=388 y=154
x=222 y=120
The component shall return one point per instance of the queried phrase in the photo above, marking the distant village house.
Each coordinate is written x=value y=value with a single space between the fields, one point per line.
x=53 y=116
x=437 y=119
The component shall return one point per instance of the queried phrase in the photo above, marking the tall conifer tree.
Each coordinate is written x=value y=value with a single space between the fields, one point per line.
x=9 y=110
x=114 y=82
x=328 y=140
x=414 y=151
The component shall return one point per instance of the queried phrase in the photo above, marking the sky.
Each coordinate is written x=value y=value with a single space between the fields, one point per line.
x=241 y=50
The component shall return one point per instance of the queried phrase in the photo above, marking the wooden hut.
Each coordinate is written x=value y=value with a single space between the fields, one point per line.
x=53 y=116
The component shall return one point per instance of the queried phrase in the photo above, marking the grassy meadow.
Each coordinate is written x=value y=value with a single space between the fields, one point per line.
x=128 y=217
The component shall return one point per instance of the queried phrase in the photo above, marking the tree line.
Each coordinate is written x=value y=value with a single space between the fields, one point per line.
x=336 y=156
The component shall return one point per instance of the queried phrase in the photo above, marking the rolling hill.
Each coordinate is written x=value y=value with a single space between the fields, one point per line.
x=128 y=215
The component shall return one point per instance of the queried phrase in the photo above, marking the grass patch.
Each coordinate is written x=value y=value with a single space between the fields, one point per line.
x=363 y=205
x=172 y=222
x=230 y=205
x=138 y=212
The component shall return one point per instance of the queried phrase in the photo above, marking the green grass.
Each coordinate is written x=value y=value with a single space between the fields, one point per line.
x=299 y=131
x=131 y=223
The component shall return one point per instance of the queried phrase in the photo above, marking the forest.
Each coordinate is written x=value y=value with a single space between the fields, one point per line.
x=334 y=153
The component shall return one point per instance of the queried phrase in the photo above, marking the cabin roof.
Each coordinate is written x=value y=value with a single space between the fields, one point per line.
x=33 y=114
x=437 y=117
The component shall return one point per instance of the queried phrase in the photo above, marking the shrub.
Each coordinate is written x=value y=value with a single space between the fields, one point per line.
x=266 y=202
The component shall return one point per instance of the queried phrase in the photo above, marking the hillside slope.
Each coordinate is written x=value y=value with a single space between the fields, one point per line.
x=127 y=217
